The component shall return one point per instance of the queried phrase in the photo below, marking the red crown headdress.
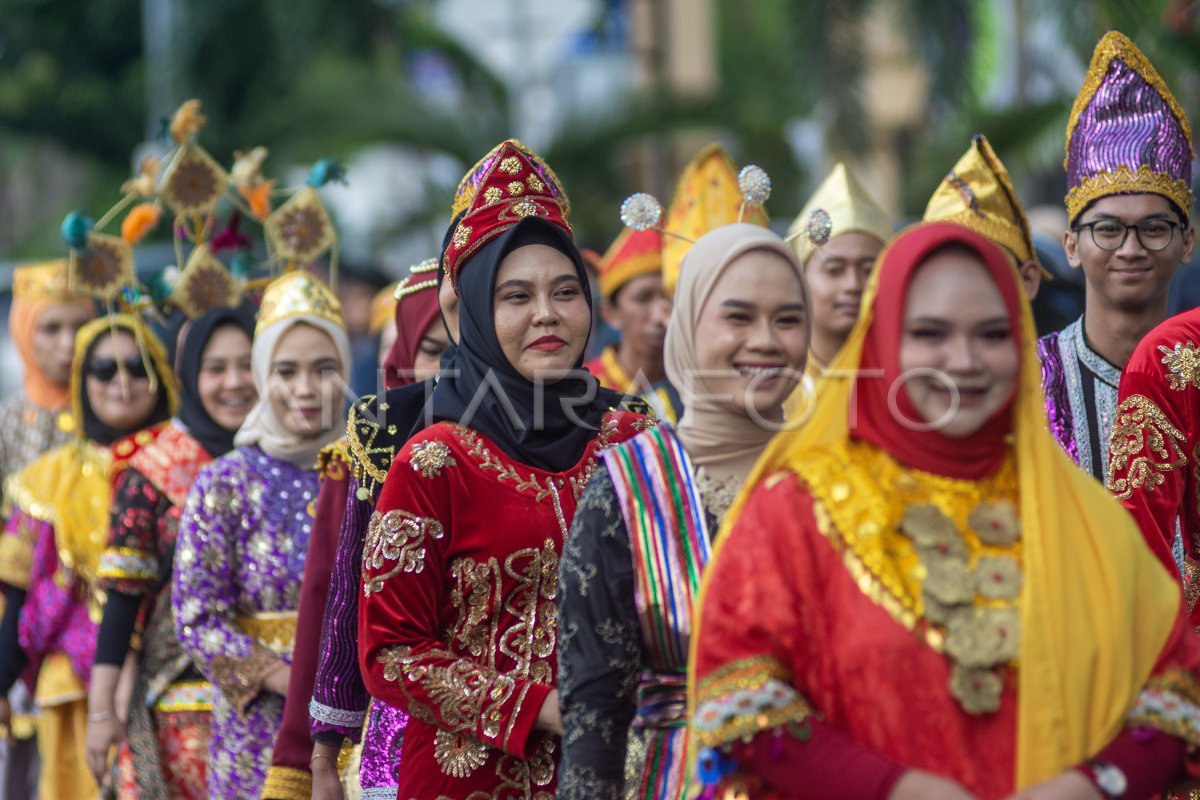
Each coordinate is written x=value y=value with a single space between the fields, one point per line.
x=509 y=184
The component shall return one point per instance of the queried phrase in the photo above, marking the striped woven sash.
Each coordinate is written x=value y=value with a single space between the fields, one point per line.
x=668 y=535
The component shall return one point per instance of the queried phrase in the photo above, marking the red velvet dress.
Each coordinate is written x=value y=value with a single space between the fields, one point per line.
x=1154 y=467
x=458 y=620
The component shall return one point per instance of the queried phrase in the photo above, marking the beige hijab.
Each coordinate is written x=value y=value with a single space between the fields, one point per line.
x=262 y=427
x=725 y=443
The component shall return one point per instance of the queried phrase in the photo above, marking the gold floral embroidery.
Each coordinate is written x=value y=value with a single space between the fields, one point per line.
x=396 y=536
x=429 y=458
x=504 y=471
x=1145 y=445
x=458 y=754
x=530 y=641
x=1183 y=361
x=475 y=586
x=463 y=691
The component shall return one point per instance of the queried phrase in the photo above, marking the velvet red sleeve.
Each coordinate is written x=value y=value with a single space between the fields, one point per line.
x=1149 y=460
x=404 y=657
x=290 y=770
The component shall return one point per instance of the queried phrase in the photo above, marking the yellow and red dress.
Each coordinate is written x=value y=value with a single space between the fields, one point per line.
x=458 y=619
x=888 y=600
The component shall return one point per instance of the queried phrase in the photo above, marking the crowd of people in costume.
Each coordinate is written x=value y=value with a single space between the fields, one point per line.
x=828 y=520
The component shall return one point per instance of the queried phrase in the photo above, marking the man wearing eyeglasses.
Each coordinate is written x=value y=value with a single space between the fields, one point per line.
x=1128 y=163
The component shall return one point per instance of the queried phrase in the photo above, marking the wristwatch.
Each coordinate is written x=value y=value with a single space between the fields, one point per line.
x=1108 y=778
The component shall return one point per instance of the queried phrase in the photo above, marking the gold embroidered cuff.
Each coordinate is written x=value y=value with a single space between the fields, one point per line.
x=745 y=698
x=287 y=783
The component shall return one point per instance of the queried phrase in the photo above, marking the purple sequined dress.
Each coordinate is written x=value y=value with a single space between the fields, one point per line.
x=238 y=567
x=340 y=702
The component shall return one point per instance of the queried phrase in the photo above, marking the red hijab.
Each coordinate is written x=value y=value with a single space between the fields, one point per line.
x=972 y=458
x=415 y=312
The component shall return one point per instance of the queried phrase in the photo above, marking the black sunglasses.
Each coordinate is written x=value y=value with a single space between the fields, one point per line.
x=105 y=369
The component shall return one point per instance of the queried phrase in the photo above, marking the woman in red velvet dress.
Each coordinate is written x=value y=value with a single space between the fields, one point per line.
x=457 y=620
x=920 y=596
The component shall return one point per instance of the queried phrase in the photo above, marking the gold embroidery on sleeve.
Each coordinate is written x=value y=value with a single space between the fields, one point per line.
x=1145 y=445
x=1183 y=361
x=396 y=536
x=429 y=458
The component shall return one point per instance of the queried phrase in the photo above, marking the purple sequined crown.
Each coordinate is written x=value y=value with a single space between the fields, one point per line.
x=1126 y=133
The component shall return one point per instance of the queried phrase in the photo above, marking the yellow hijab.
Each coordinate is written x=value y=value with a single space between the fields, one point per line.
x=1097 y=606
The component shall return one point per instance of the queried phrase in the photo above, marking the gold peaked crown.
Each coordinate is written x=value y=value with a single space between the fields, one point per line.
x=298 y=293
x=845 y=206
x=45 y=281
x=978 y=194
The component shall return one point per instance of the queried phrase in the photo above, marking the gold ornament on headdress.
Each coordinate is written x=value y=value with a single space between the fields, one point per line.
x=300 y=230
x=468 y=187
x=193 y=183
x=103 y=268
x=205 y=285
x=47 y=281
x=840 y=205
x=978 y=194
x=417 y=282
x=710 y=194
x=297 y=293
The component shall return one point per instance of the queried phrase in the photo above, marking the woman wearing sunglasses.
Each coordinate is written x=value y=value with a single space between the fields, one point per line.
x=170 y=710
x=122 y=390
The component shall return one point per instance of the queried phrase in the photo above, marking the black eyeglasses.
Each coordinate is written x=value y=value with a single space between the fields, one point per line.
x=1152 y=234
x=105 y=369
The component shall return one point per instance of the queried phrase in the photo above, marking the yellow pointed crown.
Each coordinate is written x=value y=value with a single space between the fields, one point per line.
x=46 y=281
x=978 y=194
x=849 y=208
x=707 y=197
x=295 y=294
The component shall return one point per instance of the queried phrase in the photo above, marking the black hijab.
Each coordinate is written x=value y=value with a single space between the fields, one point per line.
x=572 y=409
x=191 y=339
x=101 y=432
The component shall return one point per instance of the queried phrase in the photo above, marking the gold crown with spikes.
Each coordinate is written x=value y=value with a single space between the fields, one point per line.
x=45 y=281
x=295 y=294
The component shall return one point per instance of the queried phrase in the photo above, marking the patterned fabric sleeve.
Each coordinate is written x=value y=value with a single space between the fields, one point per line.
x=290 y=776
x=203 y=591
x=600 y=647
x=750 y=630
x=1148 y=459
x=404 y=661
x=339 y=697
x=132 y=562
x=16 y=549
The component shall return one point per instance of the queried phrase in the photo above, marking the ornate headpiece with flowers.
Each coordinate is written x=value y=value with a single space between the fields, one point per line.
x=507 y=185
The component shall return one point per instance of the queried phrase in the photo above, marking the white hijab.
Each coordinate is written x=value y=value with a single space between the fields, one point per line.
x=262 y=427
